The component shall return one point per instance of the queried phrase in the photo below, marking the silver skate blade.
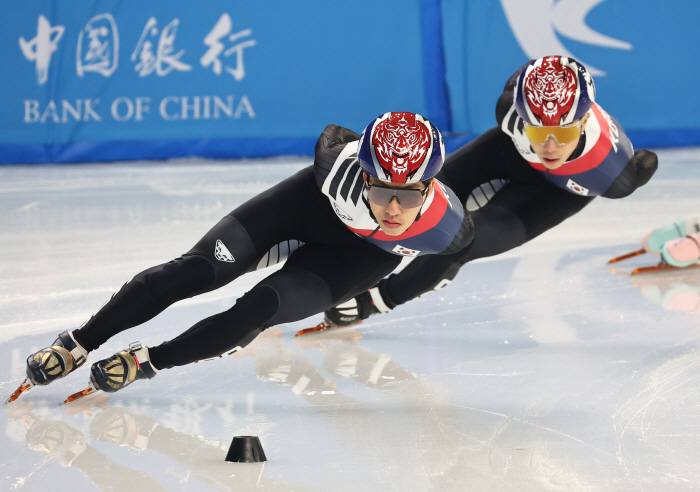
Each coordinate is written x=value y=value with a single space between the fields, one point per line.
x=81 y=394
x=24 y=387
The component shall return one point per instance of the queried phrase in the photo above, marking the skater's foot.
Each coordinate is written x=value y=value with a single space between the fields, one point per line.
x=682 y=252
x=51 y=363
x=122 y=369
x=654 y=241
x=56 y=361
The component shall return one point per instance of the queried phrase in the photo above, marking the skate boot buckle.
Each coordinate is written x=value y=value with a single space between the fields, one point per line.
x=135 y=347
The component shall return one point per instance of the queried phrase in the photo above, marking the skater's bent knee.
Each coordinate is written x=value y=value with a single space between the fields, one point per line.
x=300 y=294
x=256 y=308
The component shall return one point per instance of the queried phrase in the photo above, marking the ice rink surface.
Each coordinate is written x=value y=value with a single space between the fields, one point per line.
x=535 y=370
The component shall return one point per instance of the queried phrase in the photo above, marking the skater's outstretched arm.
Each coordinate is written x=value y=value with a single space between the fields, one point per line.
x=637 y=172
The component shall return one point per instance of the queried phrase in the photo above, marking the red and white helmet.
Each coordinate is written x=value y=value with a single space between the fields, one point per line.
x=401 y=147
x=553 y=91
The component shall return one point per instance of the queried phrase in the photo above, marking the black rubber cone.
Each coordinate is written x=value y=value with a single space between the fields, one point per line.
x=246 y=449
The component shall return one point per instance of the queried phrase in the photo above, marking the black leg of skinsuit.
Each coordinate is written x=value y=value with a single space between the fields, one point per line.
x=331 y=267
x=520 y=211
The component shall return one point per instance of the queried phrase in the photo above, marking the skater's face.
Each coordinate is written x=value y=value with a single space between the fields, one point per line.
x=394 y=219
x=554 y=154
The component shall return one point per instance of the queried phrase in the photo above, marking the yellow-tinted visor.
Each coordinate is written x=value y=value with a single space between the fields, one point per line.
x=562 y=134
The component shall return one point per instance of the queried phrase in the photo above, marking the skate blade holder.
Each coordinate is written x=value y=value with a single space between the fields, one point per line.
x=245 y=449
x=135 y=346
x=89 y=404
x=80 y=394
x=627 y=256
x=322 y=326
x=25 y=386
x=663 y=267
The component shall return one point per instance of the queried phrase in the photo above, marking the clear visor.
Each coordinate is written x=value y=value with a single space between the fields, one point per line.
x=562 y=135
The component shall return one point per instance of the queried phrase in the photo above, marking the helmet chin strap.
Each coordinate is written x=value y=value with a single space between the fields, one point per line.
x=420 y=212
x=366 y=201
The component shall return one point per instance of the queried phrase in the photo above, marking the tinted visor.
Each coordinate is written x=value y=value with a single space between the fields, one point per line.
x=407 y=198
x=562 y=134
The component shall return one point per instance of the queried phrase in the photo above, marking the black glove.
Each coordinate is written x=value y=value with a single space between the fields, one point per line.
x=638 y=171
x=352 y=311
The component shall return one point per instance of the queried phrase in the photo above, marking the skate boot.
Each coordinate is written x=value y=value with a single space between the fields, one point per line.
x=654 y=241
x=64 y=356
x=56 y=361
x=682 y=252
x=112 y=374
x=123 y=368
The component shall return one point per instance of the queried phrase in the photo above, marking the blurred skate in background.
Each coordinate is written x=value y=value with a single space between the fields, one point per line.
x=677 y=245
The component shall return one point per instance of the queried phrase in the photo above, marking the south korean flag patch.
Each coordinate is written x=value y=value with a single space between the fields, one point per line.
x=400 y=250
x=577 y=188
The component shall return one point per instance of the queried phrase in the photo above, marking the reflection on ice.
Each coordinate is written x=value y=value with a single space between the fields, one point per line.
x=137 y=433
x=674 y=291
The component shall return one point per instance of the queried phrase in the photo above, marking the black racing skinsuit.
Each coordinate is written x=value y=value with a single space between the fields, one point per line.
x=333 y=265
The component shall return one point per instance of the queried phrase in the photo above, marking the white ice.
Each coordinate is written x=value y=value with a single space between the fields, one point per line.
x=536 y=370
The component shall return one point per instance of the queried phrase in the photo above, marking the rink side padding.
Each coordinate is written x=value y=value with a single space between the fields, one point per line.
x=249 y=148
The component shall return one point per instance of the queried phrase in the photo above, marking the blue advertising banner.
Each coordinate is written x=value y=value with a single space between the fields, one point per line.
x=640 y=52
x=121 y=78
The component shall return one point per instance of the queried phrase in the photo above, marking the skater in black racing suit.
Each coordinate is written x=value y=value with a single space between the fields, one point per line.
x=356 y=210
x=515 y=187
